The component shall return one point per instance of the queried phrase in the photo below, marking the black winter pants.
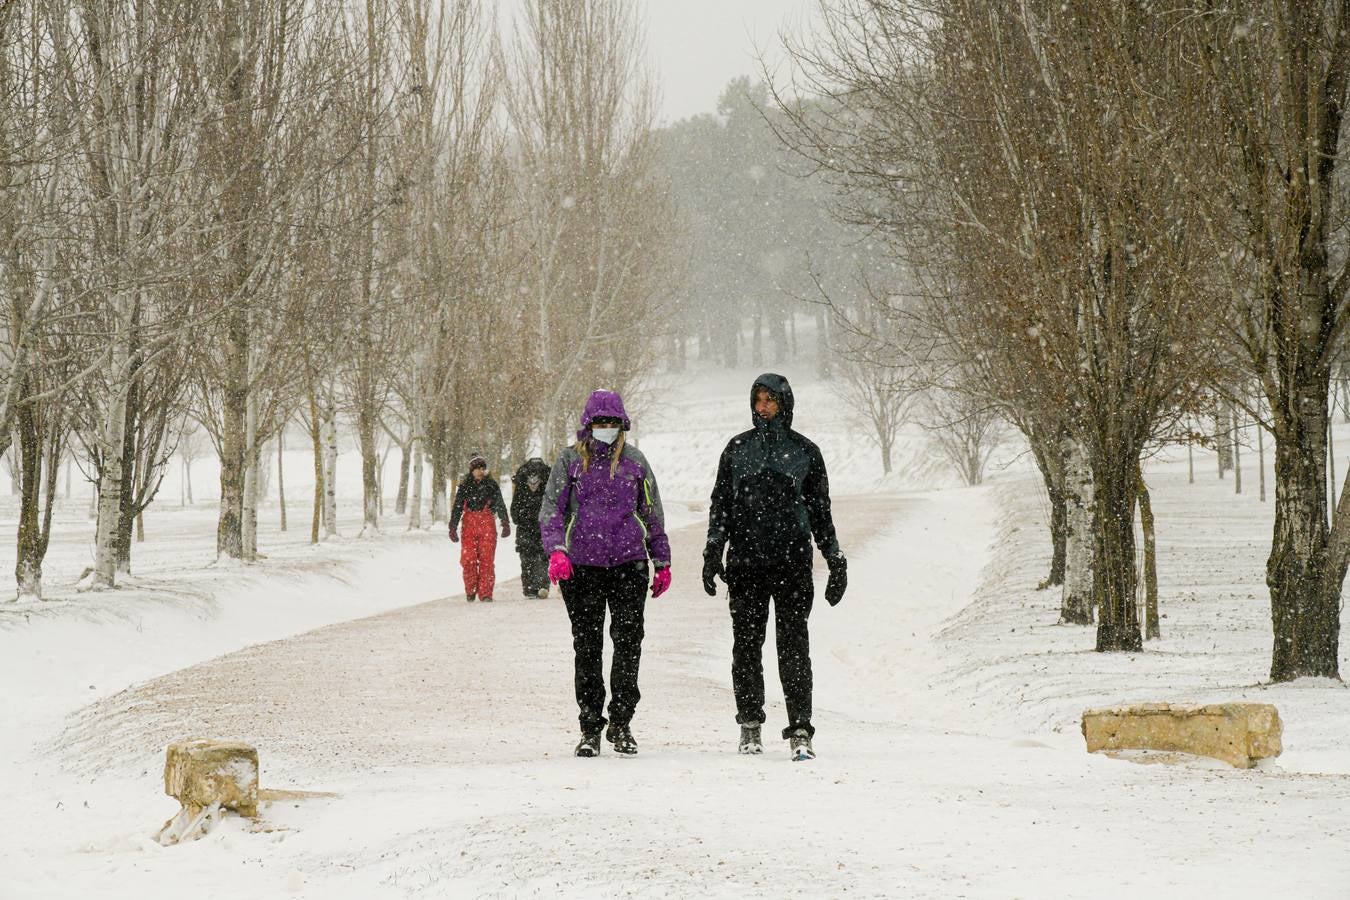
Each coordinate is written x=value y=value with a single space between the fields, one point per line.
x=533 y=570
x=623 y=590
x=792 y=592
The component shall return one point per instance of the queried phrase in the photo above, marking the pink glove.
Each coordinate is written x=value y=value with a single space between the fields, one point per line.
x=661 y=581
x=559 y=567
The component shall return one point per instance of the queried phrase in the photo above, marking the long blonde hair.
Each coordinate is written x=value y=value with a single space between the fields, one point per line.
x=584 y=451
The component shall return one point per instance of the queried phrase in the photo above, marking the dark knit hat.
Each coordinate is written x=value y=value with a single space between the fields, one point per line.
x=476 y=461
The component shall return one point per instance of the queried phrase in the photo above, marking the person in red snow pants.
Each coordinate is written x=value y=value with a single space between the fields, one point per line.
x=477 y=552
x=477 y=500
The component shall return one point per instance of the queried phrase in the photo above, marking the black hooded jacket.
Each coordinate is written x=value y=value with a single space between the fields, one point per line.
x=525 y=503
x=477 y=495
x=772 y=496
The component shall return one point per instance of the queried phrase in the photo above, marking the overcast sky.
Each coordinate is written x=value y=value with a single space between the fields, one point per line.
x=697 y=46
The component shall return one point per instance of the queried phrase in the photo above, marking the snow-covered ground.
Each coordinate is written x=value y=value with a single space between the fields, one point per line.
x=946 y=699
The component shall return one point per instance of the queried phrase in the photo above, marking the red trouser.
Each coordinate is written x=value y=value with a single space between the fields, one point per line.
x=477 y=549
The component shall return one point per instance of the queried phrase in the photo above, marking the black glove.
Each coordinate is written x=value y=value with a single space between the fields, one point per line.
x=712 y=569
x=838 y=583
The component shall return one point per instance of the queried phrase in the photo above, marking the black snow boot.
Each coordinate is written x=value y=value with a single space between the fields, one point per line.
x=622 y=739
x=800 y=745
x=590 y=744
x=470 y=597
x=751 y=743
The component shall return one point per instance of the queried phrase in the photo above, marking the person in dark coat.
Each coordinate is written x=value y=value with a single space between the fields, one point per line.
x=477 y=500
x=527 y=494
x=770 y=502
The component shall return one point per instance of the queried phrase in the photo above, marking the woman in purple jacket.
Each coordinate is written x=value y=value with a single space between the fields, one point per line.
x=601 y=520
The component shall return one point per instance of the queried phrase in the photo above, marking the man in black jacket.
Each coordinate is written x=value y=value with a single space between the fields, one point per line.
x=527 y=494
x=771 y=500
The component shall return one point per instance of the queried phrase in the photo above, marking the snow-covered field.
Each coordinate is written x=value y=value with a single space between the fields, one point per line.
x=947 y=703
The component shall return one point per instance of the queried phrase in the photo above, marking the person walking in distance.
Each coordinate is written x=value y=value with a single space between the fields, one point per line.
x=770 y=501
x=477 y=500
x=527 y=495
x=601 y=521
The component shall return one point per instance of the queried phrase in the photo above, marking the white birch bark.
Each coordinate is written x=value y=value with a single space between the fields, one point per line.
x=415 y=494
x=1076 y=602
x=114 y=435
x=330 y=454
x=248 y=524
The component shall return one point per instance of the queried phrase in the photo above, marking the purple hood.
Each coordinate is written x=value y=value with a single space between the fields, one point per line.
x=601 y=404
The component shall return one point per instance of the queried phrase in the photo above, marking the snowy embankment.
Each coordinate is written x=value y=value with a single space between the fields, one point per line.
x=80 y=648
x=1025 y=673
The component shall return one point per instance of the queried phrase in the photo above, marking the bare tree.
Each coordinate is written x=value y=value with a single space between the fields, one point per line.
x=127 y=101
x=1267 y=175
x=591 y=208
x=1015 y=159
x=965 y=427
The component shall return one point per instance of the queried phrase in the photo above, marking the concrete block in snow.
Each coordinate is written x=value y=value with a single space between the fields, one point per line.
x=200 y=773
x=1237 y=733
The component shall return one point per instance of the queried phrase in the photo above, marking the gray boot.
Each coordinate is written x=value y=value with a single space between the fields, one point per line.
x=751 y=743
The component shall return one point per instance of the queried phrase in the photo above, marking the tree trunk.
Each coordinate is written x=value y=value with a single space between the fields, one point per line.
x=281 y=473
x=126 y=512
x=330 y=468
x=110 y=494
x=1075 y=607
x=1305 y=592
x=1237 y=454
x=27 y=462
x=248 y=526
x=316 y=445
x=1261 y=461
x=114 y=446
x=1052 y=472
x=757 y=341
x=1223 y=438
x=404 y=464
x=229 y=529
x=1114 y=580
x=1152 y=630
x=1331 y=467
x=436 y=446
x=370 y=487
x=415 y=502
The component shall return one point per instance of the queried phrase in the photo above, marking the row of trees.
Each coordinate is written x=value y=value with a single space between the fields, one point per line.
x=242 y=213
x=1111 y=217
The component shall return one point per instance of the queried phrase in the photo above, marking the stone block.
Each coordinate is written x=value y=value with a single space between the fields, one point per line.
x=1237 y=733
x=202 y=773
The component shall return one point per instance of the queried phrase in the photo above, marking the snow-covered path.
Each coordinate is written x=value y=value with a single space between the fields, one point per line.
x=446 y=730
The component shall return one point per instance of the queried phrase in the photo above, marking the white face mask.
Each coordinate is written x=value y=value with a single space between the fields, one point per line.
x=605 y=435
